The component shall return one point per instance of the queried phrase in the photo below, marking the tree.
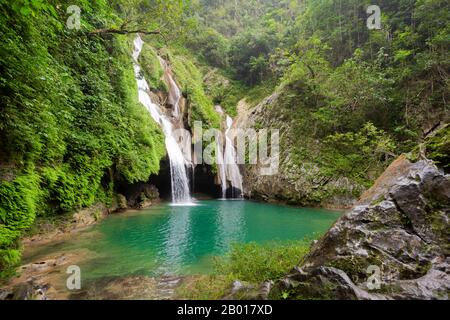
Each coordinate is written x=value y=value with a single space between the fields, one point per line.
x=146 y=17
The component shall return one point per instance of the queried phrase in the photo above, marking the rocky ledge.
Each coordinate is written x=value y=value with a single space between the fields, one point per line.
x=136 y=196
x=394 y=244
x=46 y=279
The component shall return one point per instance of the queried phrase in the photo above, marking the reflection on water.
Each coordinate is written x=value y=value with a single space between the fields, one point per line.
x=230 y=224
x=167 y=240
x=176 y=240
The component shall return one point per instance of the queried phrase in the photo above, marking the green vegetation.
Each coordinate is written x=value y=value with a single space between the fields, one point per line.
x=227 y=92
x=350 y=99
x=252 y=263
x=152 y=69
x=342 y=153
x=205 y=287
x=256 y=263
x=201 y=106
x=187 y=73
x=70 y=124
x=324 y=56
x=438 y=148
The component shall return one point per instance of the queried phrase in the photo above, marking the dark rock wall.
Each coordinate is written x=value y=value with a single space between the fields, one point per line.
x=400 y=226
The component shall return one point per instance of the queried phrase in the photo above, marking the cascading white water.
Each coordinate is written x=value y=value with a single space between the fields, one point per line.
x=174 y=90
x=227 y=162
x=232 y=170
x=179 y=179
x=221 y=159
x=221 y=167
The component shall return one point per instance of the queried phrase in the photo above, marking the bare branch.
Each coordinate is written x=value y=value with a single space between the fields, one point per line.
x=121 y=31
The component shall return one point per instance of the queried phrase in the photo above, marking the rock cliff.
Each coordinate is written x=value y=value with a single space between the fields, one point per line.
x=394 y=244
x=297 y=182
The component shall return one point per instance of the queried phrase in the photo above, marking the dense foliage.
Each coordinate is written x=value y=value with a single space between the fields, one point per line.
x=71 y=126
x=352 y=98
x=251 y=263
x=70 y=122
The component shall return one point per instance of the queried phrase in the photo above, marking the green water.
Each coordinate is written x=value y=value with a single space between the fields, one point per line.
x=167 y=240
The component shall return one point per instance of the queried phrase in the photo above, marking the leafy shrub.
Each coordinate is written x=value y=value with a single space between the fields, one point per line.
x=191 y=83
x=18 y=204
x=352 y=155
x=71 y=124
x=211 y=46
x=438 y=148
x=250 y=262
x=260 y=262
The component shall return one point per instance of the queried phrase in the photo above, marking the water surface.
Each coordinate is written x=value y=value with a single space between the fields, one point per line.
x=173 y=240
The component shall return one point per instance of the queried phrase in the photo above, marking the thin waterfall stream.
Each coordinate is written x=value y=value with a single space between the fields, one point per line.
x=227 y=161
x=232 y=168
x=179 y=179
x=174 y=90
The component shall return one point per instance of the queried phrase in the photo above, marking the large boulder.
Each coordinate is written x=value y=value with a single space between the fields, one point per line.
x=394 y=244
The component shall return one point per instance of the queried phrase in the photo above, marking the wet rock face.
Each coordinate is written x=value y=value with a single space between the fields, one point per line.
x=44 y=279
x=139 y=196
x=394 y=244
x=68 y=226
x=295 y=183
x=246 y=291
x=129 y=288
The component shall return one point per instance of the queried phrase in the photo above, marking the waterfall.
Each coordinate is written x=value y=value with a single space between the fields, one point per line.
x=174 y=90
x=178 y=173
x=226 y=162
x=221 y=167
x=232 y=169
x=221 y=159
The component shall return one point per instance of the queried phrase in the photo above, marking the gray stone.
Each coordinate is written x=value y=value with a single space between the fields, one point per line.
x=405 y=235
